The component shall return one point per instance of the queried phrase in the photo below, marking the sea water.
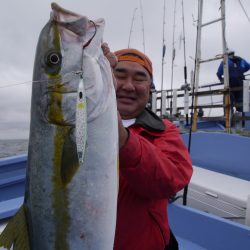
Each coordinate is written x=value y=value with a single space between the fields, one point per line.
x=13 y=147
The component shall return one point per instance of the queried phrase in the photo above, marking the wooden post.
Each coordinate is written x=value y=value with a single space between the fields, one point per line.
x=197 y=63
x=225 y=69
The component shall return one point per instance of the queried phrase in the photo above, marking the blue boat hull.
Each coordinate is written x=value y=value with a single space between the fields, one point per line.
x=195 y=230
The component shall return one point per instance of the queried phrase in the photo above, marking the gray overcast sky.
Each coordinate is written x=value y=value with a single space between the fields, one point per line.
x=22 y=21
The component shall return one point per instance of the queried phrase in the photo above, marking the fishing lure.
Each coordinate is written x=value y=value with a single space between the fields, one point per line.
x=81 y=120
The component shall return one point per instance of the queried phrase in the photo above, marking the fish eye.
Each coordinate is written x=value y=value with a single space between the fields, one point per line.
x=52 y=62
x=53 y=58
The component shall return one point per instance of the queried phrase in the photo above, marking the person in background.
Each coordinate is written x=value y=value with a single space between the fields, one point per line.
x=237 y=66
x=154 y=163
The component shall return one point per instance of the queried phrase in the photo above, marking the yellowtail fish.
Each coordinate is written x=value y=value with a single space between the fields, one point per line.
x=71 y=183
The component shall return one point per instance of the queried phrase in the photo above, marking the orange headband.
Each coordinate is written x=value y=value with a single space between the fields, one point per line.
x=134 y=55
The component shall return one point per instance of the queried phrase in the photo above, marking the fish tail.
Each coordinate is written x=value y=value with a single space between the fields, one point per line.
x=16 y=232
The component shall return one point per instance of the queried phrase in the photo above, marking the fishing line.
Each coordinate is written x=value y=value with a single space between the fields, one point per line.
x=143 y=33
x=63 y=79
x=90 y=40
x=131 y=27
x=22 y=83
x=86 y=45
x=14 y=84
x=244 y=10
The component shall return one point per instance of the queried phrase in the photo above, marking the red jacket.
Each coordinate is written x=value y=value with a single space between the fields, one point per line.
x=154 y=165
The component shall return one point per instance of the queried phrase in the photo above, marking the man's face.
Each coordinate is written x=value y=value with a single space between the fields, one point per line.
x=133 y=88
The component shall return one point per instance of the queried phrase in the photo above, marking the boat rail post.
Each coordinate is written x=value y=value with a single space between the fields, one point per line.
x=247 y=221
x=246 y=95
x=225 y=69
x=197 y=63
x=154 y=102
x=174 y=103
x=163 y=103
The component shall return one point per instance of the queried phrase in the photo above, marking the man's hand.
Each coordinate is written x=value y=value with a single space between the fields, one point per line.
x=111 y=58
x=109 y=55
x=122 y=131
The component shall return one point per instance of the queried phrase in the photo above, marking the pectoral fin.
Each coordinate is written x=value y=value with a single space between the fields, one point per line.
x=16 y=232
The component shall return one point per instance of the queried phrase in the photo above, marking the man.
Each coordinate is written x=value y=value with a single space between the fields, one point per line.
x=236 y=67
x=154 y=163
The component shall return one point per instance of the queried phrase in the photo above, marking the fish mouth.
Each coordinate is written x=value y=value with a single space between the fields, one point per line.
x=74 y=22
x=58 y=8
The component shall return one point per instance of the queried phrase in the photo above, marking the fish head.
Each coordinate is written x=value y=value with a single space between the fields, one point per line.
x=59 y=56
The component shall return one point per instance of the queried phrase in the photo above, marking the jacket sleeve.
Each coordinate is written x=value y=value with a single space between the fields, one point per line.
x=246 y=65
x=220 y=72
x=156 y=169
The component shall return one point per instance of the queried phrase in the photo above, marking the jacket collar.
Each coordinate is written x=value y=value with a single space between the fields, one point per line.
x=150 y=120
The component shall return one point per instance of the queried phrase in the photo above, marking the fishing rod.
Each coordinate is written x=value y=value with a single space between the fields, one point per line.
x=173 y=57
x=184 y=43
x=184 y=54
x=131 y=28
x=163 y=47
x=142 y=20
x=192 y=105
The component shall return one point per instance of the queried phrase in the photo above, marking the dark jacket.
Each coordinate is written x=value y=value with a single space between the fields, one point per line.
x=237 y=67
x=154 y=165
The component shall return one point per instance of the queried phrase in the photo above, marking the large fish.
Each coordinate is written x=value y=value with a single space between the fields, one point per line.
x=71 y=190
